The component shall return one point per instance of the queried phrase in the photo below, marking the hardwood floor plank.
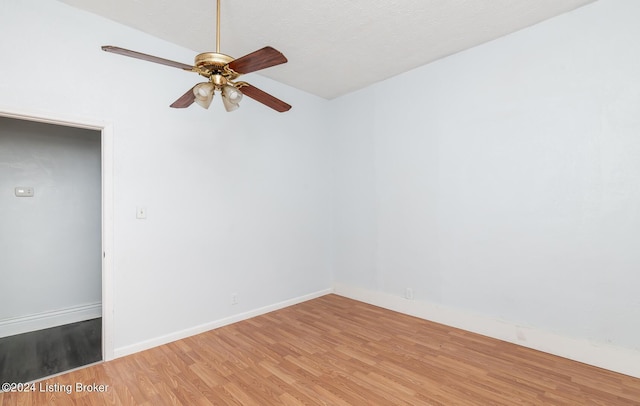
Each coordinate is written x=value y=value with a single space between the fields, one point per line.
x=336 y=351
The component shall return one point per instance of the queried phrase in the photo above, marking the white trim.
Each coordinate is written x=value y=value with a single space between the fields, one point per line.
x=107 y=242
x=618 y=359
x=58 y=119
x=48 y=319
x=107 y=206
x=178 y=335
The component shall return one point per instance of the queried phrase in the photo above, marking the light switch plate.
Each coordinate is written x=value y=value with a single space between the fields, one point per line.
x=141 y=213
x=24 y=191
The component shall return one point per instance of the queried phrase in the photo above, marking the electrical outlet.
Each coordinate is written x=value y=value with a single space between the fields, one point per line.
x=408 y=293
x=234 y=298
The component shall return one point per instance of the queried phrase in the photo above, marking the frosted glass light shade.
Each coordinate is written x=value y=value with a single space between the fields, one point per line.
x=204 y=93
x=230 y=92
x=231 y=97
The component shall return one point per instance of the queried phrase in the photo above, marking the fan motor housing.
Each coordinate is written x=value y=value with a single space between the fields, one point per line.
x=210 y=63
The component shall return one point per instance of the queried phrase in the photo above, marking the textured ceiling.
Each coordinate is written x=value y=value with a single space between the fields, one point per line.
x=333 y=46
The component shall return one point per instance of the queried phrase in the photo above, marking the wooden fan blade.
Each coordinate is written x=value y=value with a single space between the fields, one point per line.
x=145 y=57
x=264 y=98
x=260 y=59
x=185 y=100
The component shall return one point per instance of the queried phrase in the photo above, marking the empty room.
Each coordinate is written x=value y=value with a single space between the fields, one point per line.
x=334 y=203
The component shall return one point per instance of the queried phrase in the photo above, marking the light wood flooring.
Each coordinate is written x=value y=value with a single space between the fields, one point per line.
x=336 y=351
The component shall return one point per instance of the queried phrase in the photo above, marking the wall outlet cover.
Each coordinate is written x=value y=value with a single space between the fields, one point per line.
x=408 y=293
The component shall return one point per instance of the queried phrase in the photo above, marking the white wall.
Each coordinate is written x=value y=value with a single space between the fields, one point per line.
x=236 y=203
x=51 y=242
x=504 y=181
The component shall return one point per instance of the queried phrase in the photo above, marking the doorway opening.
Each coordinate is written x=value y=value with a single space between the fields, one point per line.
x=55 y=229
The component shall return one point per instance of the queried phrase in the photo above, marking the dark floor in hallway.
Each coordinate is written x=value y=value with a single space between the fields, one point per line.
x=37 y=354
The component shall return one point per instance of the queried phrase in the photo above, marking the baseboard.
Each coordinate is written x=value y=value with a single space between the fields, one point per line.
x=178 y=335
x=40 y=321
x=617 y=359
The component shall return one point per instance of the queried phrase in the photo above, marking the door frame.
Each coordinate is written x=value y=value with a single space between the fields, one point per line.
x=106 y=142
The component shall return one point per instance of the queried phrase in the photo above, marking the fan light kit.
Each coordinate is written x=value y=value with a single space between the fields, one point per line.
x=221 y=71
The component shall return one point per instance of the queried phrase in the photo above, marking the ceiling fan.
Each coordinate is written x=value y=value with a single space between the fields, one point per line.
x=221 y=71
